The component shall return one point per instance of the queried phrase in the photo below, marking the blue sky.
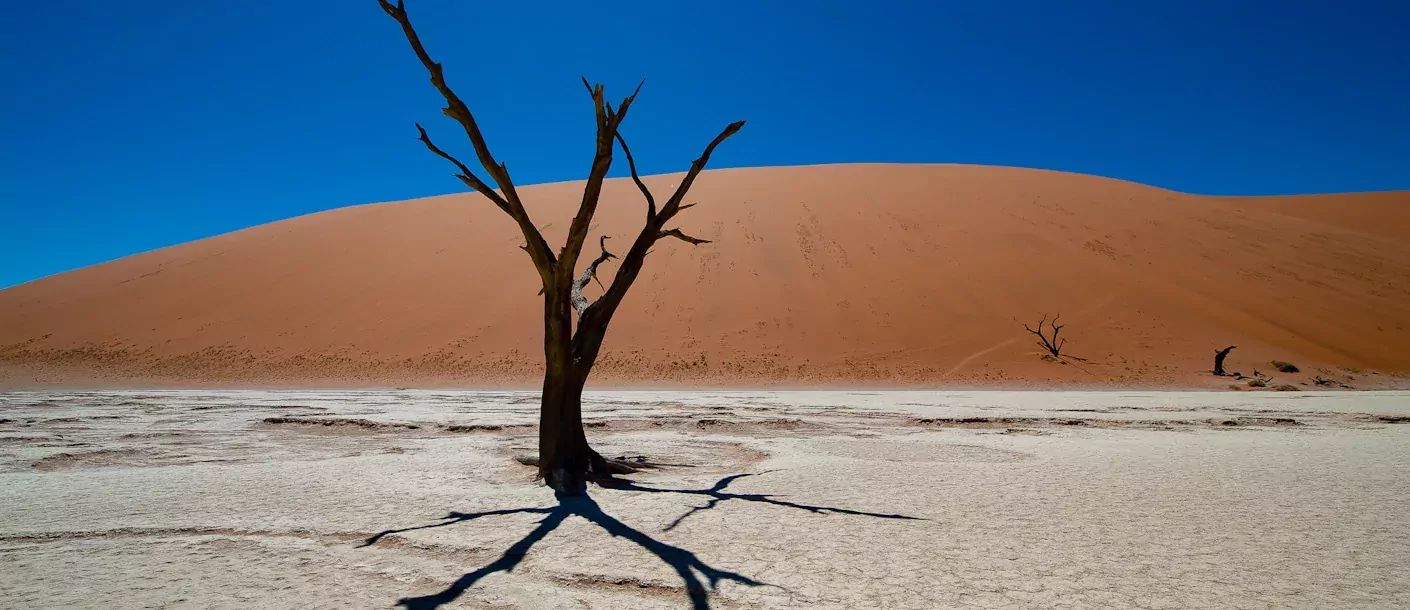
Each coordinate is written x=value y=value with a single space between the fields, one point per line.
x=130 y=126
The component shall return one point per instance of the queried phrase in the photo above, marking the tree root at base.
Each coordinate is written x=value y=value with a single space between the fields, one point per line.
x=624 y=464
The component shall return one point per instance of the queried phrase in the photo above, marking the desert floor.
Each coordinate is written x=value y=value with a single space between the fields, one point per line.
x=781 y=499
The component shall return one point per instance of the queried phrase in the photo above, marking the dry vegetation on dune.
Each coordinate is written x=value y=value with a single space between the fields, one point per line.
x=851 y=274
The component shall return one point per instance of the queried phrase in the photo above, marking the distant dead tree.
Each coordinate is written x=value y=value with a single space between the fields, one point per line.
x=1052 y=344
x=1219 y=356
x=566 y=462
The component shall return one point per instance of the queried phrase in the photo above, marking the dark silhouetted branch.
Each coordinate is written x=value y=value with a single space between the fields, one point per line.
x=676 y=233
x=456 y=109
x=672 y=205
x=631 y=266
x=465 y=175
x=645 y=192
x=608 y=120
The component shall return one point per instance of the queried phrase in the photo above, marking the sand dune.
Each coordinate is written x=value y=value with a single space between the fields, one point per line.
x=842 y=274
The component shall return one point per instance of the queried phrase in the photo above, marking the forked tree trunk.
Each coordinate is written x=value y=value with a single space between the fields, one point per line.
x=566 y=462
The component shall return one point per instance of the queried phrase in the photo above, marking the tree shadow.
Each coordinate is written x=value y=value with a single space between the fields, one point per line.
x=693 y=571
x=717 y=494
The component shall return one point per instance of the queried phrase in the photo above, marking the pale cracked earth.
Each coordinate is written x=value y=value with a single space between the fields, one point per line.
x=780 y=500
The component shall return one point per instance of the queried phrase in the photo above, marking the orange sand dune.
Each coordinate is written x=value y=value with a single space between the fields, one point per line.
x=827 y=275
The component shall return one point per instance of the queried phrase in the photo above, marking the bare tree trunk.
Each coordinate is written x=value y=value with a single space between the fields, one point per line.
x=1219 y=356
x=565 y=458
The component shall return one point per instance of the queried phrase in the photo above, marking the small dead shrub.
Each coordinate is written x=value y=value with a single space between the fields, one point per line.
x=1285 y=388
x=1285 y=367
x=1052 y=345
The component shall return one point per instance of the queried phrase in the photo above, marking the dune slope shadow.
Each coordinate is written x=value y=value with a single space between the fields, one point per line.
x=695 y=573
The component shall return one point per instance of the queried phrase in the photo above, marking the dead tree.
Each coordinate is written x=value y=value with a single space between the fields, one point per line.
x=1052 y=344
x=566 y=462
x=1219 y=356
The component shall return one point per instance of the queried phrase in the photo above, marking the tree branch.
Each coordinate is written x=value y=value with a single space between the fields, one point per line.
x=676 y=233
x=497 y=170
x=593 y=320
x=580 y=302
x=645 y=192
x=1040 y=326
x=465 y=175
x=456 y=107
x=607 y=122
x=1053 y=346
x=672 y=206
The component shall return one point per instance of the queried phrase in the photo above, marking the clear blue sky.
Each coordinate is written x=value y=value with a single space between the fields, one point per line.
x=128 y=126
